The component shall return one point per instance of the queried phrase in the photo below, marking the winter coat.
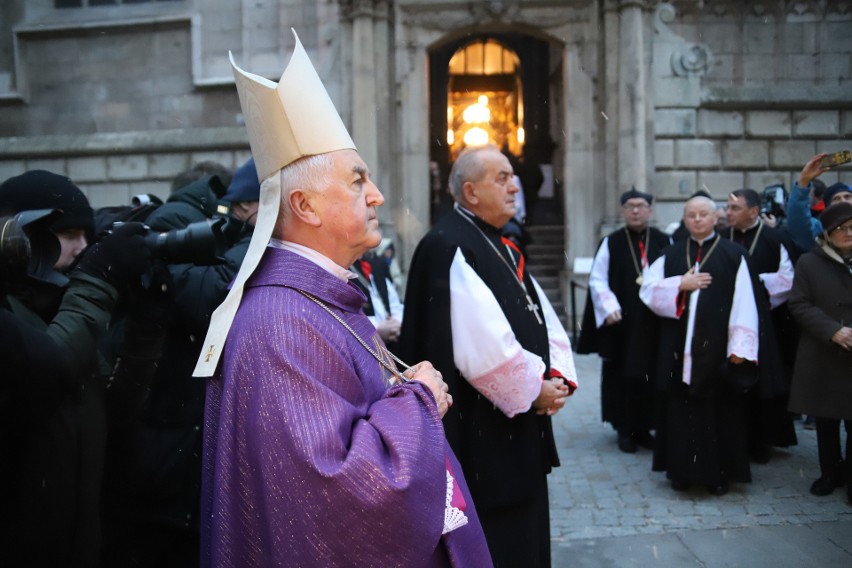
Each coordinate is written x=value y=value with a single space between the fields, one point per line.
x=821 y=303
x=53 y=424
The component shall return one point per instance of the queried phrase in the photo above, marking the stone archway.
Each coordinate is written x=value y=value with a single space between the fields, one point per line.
x=527 y=87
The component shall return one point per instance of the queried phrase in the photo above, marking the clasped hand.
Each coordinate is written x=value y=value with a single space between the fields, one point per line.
x=552 y=397
x=425 y=373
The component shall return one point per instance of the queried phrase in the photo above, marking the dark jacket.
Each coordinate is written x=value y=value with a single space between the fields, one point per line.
x=195 y=202
x=54 y=426
x=821 y=303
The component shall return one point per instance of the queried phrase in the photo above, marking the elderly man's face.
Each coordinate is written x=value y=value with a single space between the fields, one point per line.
x=636 y=213
x=699 y=217
x=347 y=206
x=494 y=193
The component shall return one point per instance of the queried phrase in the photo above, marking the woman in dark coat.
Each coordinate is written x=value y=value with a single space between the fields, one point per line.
x=821 y=302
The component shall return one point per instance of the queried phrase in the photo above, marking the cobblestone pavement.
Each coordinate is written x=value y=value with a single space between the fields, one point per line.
x=600 y=492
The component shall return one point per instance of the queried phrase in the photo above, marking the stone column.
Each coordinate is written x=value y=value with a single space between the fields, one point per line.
x=632 y=139
x=364 y=127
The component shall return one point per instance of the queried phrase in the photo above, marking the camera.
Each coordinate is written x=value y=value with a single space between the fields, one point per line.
x=773 y=201
x=202 y=243
x=29 y=248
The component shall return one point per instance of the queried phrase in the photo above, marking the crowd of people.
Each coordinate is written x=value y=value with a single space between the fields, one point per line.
x=718 y=336
x=268 y=398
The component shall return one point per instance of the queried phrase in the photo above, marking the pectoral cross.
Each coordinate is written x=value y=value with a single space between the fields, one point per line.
x=531 y=306
x=209 y=353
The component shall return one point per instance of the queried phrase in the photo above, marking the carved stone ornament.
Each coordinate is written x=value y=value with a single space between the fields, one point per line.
x=496 y=9
x=694 y=59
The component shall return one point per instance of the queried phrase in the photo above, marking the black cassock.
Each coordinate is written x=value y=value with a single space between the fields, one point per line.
x=772 y=256
x=701 y=436
x=627 y=348
x=505 y=460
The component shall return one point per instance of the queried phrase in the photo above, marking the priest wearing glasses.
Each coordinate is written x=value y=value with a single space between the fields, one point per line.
x=704 y=292
x=318 y=451
x=474 y=310
x=619 y=327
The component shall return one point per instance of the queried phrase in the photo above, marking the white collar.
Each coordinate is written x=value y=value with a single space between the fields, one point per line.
x=705 y=239
x=316 y=257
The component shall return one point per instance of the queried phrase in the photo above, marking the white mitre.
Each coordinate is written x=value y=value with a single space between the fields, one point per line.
x=286 y=121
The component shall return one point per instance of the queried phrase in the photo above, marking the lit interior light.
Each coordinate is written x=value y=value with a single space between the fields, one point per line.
x=476 y=137
x=521 y=136
x=451 y=136
x=477 y=113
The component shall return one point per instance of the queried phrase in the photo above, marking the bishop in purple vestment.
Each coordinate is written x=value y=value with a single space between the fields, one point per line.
x=317 y=450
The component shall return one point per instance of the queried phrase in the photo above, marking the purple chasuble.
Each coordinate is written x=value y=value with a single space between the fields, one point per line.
x=310 y=459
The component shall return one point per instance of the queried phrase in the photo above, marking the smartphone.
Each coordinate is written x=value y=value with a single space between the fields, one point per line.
x=836 y=159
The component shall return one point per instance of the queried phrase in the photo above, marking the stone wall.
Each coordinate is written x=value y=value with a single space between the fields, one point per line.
x=746 y=93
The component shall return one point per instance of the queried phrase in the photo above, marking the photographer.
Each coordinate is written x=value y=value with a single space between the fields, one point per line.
x=55 y=438
x=803 y=227
x=153 y=472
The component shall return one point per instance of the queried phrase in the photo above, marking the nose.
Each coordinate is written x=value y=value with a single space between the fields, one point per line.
x=374 y=196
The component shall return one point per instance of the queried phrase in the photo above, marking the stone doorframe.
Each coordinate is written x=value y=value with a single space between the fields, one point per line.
x=419 y=26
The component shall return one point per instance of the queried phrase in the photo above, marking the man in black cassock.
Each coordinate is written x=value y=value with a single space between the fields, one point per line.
x=383 y=307
x=477 y=314
x=704 y=292
x=619 y=327
x=772 y=256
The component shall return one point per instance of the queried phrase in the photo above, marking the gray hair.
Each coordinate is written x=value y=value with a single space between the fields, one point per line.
x=701 y=199
x=468 y=167
x=309 y=173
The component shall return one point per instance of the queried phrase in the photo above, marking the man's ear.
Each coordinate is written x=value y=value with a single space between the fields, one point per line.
x=469 y=193
x=301 y=207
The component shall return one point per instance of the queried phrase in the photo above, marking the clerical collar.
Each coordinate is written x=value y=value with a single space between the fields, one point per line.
x=747 y=229
x=316 y=257
x=487 y=227
x=705 y=239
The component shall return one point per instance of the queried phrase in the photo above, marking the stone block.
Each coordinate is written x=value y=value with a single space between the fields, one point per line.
x=698 y=154
x=833 y=67
x=801 y=67
x=11 y=168
x=667 y=214
x=758 y=36
x=715 y=123
x=846 y=123
x=674 y=122
x=662 y=66
x=759 y=180
x=126 y=168
x=54 y=165
x=745 y=154
x=720 y=184
x=677 y=92
x=107 y=194
x=790 y=153
x=673 y=184
x=768 y=123
x=841 y=40
x=724 y=67
x=664 y=153
x=87 y=169
x=167 y=166
x=817 y=123
x=226 y=158
x=759 y=67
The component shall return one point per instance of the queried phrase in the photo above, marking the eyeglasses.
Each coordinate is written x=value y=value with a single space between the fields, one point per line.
x=843 y=229
x=635 y=207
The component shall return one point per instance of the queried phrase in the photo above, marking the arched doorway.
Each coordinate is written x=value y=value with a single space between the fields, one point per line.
x=493 y=87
